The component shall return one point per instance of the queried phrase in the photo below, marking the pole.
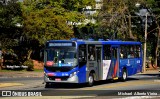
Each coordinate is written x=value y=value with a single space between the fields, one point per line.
x=145 y=45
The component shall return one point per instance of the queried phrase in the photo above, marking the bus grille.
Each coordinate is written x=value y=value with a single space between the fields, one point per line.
x=62 y=78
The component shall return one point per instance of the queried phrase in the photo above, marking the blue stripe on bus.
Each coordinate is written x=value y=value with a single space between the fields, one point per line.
x=101 y=42
x=82 y=74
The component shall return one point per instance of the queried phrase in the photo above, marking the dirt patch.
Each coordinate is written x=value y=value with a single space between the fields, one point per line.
x=38 y=64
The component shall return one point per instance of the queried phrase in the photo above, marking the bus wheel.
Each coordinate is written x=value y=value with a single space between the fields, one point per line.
x=47 y=85
x=124 y=75
x=90 y=80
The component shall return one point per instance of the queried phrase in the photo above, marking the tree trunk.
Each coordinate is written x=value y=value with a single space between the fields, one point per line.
x=130 y=28
x=29 y=54
x=157 y=46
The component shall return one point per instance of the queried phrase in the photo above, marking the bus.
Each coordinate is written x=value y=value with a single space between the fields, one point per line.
x=87 y=61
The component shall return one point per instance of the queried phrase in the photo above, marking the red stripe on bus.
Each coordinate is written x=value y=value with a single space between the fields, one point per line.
x=115 y=69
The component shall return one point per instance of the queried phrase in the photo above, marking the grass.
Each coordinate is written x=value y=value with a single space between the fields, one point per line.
x=36 y=70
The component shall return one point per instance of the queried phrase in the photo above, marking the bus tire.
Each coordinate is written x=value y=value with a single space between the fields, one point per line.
x=90 y=80
x=47 y=85
x=124 y=75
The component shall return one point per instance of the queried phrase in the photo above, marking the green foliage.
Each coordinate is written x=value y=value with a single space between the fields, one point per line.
x=45 y=20
x=30 y=65
x=48 y=19
x=10 y=15
x=76 y=5
x=45 y=25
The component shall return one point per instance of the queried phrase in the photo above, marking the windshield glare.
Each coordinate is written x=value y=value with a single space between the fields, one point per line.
x=61 y=57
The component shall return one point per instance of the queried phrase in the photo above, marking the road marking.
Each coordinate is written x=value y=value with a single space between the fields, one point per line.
x=10 y=84
x=137 y=83
x=156 y=80
x=123 y=84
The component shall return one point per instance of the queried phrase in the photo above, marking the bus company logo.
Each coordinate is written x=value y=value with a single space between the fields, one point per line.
x=6 y=93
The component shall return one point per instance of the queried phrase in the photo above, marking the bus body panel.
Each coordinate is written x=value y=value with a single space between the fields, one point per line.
x=112 y=69
x=106 y=67
x=82 y=74
x=103 y=69
x=58 y=77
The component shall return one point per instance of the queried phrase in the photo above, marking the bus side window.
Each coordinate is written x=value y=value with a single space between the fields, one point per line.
x=91 y=52
x=107 y=52
x=137 y=50
x=82 y=53
x=124 y=50
x=121 y=54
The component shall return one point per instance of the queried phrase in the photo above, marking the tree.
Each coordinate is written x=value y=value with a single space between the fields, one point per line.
x=10 y=30
x=47 y=19
x=120 y=16
x=154 y=6
x=10 y=16
x=115 y=18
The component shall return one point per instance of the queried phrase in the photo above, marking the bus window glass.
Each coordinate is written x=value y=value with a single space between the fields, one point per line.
x=107 y=52
x=130 y=51
x=127 y=51
x=123 y=51
x=137 y=51
x=61 y=56
x=91 y=52
x=114 y=52
x=82 y=53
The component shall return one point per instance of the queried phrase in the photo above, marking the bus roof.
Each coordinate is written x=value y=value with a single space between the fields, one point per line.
x=113 y=42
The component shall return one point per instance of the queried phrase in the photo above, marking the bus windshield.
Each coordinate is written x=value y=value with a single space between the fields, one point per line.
x=60 y=57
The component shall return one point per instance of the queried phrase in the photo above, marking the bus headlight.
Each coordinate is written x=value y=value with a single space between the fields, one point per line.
x=73 y=74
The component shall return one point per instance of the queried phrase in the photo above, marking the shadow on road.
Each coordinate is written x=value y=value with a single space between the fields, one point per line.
x=74 y=86
x=65 y=86
x=112 y=81
x=97 y=83
x=157 y=74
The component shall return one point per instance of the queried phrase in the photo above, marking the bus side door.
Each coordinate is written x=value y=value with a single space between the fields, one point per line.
x=99 y=62
x=114 y=68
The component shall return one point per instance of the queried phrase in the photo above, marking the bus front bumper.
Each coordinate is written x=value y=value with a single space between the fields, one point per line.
x=73 y=79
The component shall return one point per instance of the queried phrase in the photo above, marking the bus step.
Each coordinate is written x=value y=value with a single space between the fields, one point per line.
x=115 y=78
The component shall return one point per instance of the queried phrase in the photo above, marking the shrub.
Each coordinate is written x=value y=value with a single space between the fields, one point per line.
x=30 y=65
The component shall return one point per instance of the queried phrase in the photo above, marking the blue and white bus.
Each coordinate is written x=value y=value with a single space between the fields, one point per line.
x=86 y=61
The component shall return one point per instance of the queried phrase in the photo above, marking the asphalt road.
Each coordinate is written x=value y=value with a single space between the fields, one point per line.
x=142 y=83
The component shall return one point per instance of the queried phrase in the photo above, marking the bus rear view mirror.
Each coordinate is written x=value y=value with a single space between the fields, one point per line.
x=80 y=59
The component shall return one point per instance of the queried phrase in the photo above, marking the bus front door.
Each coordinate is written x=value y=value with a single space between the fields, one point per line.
x=99 y=62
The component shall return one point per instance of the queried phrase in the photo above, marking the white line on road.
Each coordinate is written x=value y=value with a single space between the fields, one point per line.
x=138 y=97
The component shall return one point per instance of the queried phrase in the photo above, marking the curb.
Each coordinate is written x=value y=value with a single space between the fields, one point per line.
x=18 y=76
x=10 y=84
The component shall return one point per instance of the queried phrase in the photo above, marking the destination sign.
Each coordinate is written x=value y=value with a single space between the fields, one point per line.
x=60 y=44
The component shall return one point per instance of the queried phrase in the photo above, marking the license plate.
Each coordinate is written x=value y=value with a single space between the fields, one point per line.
x=57 y=79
